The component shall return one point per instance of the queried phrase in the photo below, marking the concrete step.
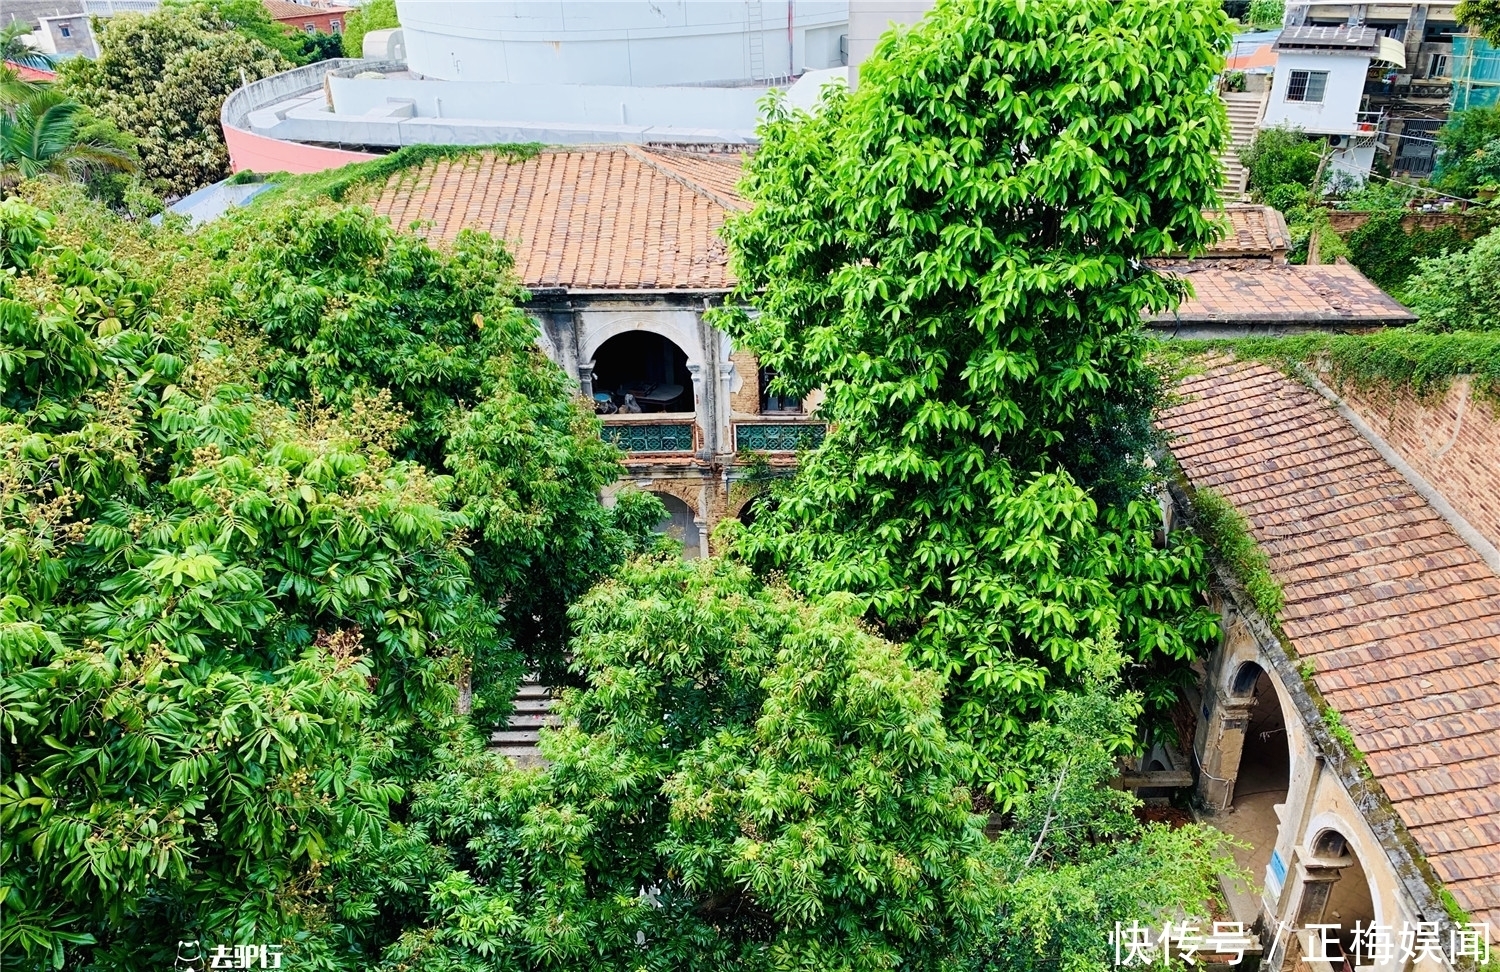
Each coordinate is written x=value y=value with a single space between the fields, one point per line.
x=533 y=721
x=512 y=738
x=534 y=705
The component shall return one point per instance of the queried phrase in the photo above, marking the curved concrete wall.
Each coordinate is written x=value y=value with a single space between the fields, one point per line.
x=260 y=153
x=624 y=42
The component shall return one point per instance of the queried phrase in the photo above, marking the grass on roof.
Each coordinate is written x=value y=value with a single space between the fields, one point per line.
x=336 y=184
x=1400 y=359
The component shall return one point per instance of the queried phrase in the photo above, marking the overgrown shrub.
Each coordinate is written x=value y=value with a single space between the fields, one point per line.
x=1281 y=156
x=1389 y=254
x=1466 y=157
x=1459 y=291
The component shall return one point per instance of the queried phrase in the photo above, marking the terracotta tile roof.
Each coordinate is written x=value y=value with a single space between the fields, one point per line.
x=1258 y=231
x=1400 y=617
x=596 y=219
x=30 y=73
x=280 y=10
x=1257 y=293
x=716 y=174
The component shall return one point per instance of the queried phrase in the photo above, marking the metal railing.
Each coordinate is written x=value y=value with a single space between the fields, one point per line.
x=108 y=8
x=778 y=436
x=649 y=433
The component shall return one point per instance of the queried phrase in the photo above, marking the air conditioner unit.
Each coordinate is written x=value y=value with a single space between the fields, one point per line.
x=1338 y=141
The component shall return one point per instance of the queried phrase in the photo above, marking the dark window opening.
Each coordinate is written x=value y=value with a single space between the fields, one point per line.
x=642 y=372
x=1306 y=86
x=774 y=401
x=66 y=30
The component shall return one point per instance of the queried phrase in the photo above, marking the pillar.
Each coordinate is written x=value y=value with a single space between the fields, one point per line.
x=1220 y=743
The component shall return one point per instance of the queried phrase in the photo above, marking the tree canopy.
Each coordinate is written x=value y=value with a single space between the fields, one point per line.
x=162 y=77
x=954 y=254
x=235 y=614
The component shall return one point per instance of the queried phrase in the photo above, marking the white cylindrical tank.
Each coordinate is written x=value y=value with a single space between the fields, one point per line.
x=624 y=42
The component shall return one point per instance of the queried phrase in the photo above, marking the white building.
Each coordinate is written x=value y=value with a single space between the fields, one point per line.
x=625 y=42
x=1319 y=87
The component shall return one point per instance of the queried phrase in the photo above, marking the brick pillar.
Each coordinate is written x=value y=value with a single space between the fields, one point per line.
x=1220 y=742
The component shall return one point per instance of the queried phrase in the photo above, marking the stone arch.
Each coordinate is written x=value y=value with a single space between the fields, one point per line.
x=1336 y=887
x=598 y=331
x=644 y=370
x=681 y=524
x=1245 y=677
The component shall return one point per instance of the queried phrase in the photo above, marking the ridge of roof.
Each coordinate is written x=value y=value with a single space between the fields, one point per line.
x=670 y=164
x=1399 y=616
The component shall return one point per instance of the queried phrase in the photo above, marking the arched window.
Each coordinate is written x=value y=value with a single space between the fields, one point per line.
x=642 y=371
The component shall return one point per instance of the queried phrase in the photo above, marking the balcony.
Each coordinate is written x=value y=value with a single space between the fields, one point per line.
x=778 y=436
x=646 y=434
x=1369 y=126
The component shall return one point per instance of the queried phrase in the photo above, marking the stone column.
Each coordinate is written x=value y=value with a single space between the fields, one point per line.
x=1318 y=878
x=1220 y=743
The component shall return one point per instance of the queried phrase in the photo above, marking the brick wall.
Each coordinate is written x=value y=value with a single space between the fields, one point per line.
x=746 y=401
x=1468 y=226
x=1453 y=440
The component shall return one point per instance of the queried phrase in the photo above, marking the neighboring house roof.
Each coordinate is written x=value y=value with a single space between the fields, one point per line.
x=1398 y=615
x=1251 y=231
x=597 y=219
x=30 y=73
x=1332 y=40
x=1262 y=294
x=289 y=12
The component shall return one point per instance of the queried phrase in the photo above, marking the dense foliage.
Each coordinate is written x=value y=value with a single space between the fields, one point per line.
x=42 y=134
x=348 y=308
x=953 y=253
x=162 y=78
x=1281 y=156
x=1459 y=291
x=747 y=782
x=374 y=15
x=1390 y=254
x=250 y=18
x=235 y=617
x=1469 y=150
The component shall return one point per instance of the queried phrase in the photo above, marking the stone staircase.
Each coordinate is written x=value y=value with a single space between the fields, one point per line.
x=533 y=713
x=1246 y=109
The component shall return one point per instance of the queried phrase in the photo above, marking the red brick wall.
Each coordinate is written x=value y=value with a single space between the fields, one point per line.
x=1468 y=226
x=1453 y=440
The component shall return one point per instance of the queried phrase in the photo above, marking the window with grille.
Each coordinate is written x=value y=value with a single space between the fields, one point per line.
x=1306 y=85
x=1439 y=67
x=772 y=401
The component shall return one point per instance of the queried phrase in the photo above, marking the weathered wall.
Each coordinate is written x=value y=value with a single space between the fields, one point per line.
x=1452 y=440
x=1467 y=225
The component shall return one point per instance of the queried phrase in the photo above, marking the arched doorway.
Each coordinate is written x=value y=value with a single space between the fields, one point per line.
x=680 y=525
x=642 y=371
x=1337 y=893
x=754 y=507
x=1260 y=780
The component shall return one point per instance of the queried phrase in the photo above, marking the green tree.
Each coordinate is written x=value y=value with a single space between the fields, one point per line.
x=955 y=254
x=212 y=608
x=349 y=308
x=375 y=15
x=1462 y=143
x=250 y=18
x=1278 y=157
x=1459 y=291
x=747 y=782
x=233 y=624
x=162 y=78
x=1076 y=859
x=41 y=135
x=1482 y=16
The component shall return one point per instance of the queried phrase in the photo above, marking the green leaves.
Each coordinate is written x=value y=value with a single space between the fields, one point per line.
x=955 y=254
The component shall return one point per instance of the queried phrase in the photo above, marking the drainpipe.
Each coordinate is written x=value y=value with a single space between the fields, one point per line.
x=791 y=47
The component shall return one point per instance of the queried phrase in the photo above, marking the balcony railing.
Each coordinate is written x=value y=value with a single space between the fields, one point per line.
x=108 y=8
x=1369 y=125
x=777 y=436
x=649 y=434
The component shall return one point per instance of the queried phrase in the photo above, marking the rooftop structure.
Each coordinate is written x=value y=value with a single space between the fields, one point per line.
x=1240 y=300
x=1393 y=609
